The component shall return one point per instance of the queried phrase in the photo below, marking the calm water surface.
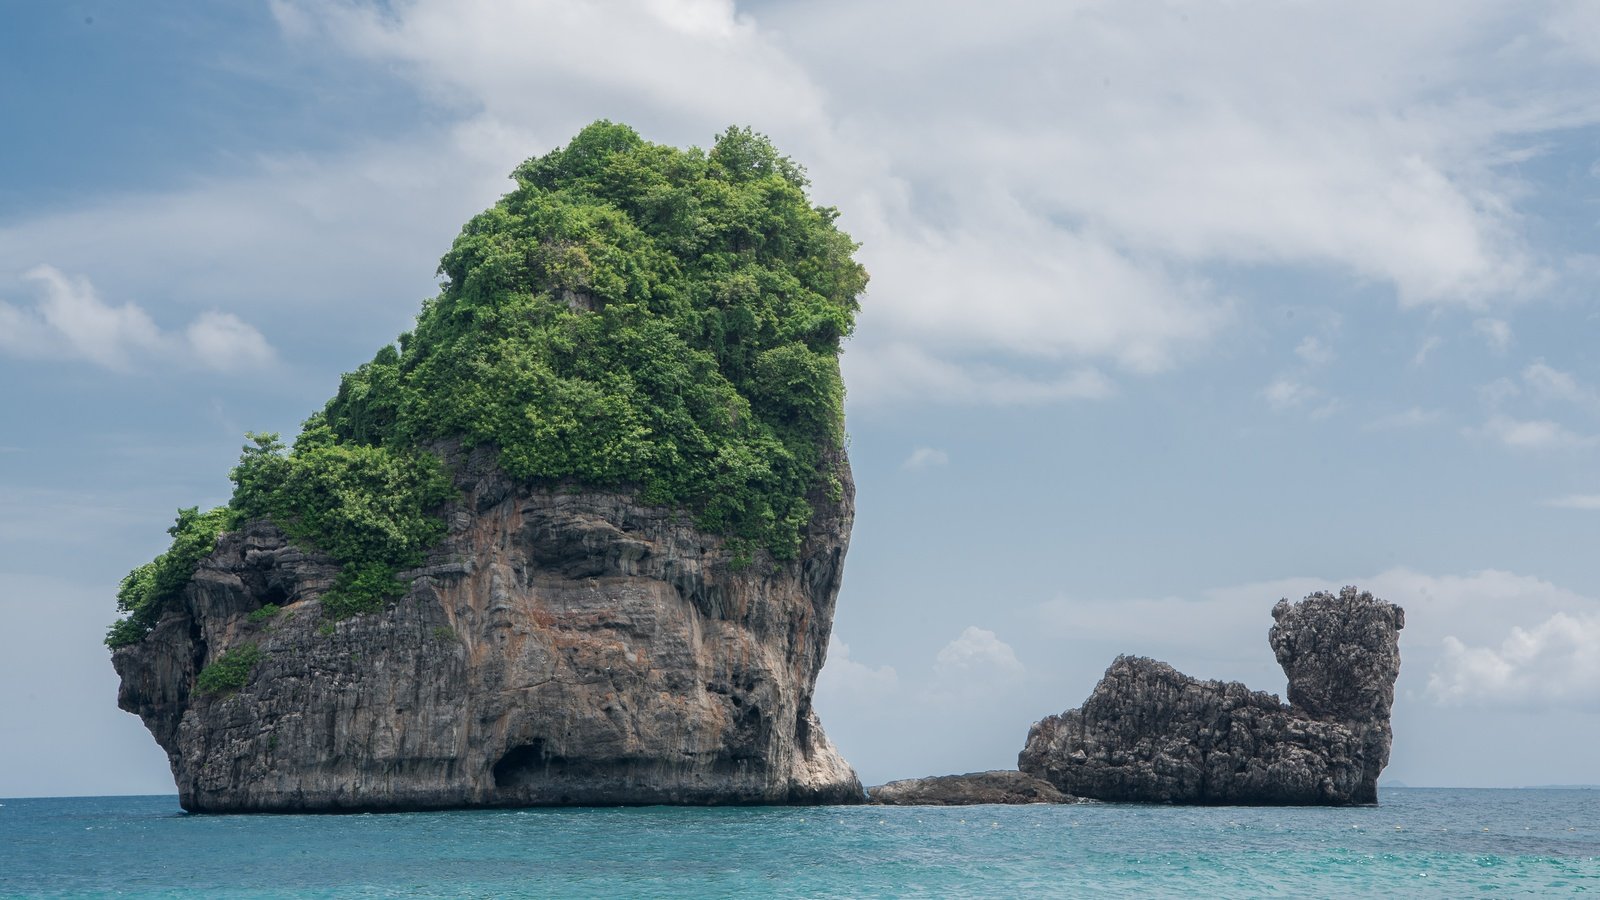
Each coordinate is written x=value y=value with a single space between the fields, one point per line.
x=1448 y=843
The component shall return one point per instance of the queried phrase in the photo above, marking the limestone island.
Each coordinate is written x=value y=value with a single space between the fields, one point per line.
x=576 y=539
x=1148 y=733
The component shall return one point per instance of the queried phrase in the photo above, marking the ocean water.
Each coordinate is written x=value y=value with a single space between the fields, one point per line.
x=1419 y=842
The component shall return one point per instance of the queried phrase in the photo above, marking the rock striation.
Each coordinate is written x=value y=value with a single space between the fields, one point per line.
x=559 y=647
x=1149 y=733
x=1002 y=786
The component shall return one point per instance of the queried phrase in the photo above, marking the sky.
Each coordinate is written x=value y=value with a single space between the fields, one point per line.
x=1177 y=308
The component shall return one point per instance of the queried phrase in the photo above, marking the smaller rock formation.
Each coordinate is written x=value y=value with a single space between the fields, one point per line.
x=1003 y=786
x=1152 y=734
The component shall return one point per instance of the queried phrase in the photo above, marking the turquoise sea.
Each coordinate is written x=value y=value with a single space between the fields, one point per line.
x=1419 y=842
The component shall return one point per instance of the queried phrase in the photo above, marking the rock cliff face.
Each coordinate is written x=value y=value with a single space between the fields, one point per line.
x=558 y=648
x=1002 y=786
x=1150 y=733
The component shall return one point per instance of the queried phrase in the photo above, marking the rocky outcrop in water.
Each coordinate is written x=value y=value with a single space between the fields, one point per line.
x=1003 y=786
x=560 y=647
x=1150 y=733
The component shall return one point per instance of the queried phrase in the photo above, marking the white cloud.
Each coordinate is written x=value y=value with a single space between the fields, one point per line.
x=977 y=653
x=844 y=679
x=1498 y=391
x=969 y=704
x=1047 y=209
x=1286 y=393
x=70 y=321
x=1429 y=344
x=1477 y=606
x=1495 y=332
x=223 y=342
x=1415 y=417
x=996 y=276
x=1575 y=501
x=1551 y=382
x=1532 y=434
x=356 y=234
x=1555 y=663
x=897 y=373
x=1554 y=384
x=1382 y=172
x=1576 y=27
x=925 y=458
x=1490 y=637
x=970 y=670
x=1315 y=351
x=1055 y=198
x=1003 y=279
x=644 y=61
x=1539 y=382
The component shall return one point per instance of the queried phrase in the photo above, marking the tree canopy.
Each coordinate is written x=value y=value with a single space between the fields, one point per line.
x=631 y=315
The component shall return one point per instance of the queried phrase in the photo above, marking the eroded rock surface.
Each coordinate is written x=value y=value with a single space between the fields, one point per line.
x=1150 y=733
x=558 y=648
x=1002 y=786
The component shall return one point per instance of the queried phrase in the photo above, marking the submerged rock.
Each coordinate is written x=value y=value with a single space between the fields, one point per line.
x=557 y=648
x=1150 y=733
x=1003 y=786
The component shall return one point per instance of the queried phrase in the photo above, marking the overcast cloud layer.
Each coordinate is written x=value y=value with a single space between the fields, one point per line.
x=1057 y=183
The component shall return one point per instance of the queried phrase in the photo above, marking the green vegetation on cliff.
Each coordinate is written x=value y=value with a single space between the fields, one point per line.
x=636 y=315
x=146 y=591
x=629 y=316
x=230 y=672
